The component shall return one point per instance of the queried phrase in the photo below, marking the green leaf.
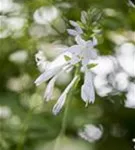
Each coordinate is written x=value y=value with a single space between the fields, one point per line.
x=92 y=65
x=67 y=58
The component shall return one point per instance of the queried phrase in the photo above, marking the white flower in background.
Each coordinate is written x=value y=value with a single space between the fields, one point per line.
x=130 y=101
x=19 y=56
x=133 y=142
x=76 y=31
x=131 y=3
x=45 y=15
x=80 y=53
x=12 y=23
x=106 y=66
x=5 y=112
x=91 y=133
x=126 y=57
x=121 y=81
x=7 y=6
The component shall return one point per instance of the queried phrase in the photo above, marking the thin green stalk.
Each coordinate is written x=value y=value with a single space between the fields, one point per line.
x=64 y=120
x=53 y=27
x=63 y=126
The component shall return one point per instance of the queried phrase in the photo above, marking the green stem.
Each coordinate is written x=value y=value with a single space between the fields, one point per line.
x=63 y=126
x=53 y=27
x=64 y=120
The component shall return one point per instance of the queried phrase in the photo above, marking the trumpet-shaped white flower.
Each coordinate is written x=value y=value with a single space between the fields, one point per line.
x=87 y=90
x=81 y=53
x=84 y=51
x=53 y=69
x=57 y=107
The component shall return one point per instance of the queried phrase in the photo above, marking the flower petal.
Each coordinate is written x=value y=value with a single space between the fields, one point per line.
x=93 y=53
x=72 y=32
x=79 y=40
x=50 y=88
x=47 y=75
x=87 y=90
x=75 y=50
x=79 y=30
x=57 y=107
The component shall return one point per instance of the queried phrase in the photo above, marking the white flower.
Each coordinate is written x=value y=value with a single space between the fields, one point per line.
x=5 y=112
x=130 y=101
x=19 y=57
x=52 y=69
x=82 y=52
x=87 y=90
x=126 y=58
x=45 y=15
x=91 y=133
x=57 y=107
x=76 y=31
x=51 y=72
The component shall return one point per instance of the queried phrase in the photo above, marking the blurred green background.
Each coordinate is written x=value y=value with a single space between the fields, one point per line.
x=26 y=121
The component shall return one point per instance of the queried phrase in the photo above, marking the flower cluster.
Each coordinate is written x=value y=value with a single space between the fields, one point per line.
x=79 y=55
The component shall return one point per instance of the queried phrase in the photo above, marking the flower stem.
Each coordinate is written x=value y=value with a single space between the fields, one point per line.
x=63 y=126
x=64 y=120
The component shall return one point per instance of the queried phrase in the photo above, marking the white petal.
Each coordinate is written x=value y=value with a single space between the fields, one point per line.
x=75 y=50
x=86 y=56
x=130 y=102
x=79 y=30
x=74 y=60
x=85 y=93
x=59 y=61
x=68 y=68
x=50 y=88
x=89 y=44
x=79 y=40
x=93 y=54
x=87 y=90
x=57 y=107
x=72 y=32
x=47 y=75
x=92 y=43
